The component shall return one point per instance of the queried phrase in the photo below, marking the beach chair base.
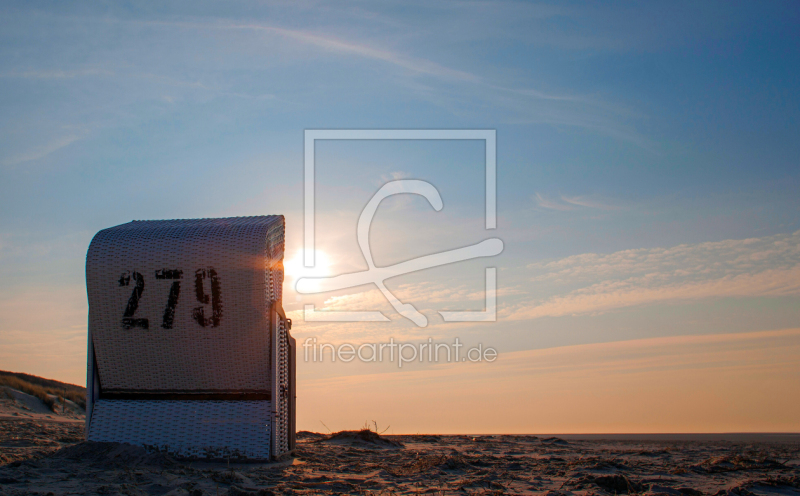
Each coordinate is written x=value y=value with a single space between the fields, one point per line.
x=219 y=430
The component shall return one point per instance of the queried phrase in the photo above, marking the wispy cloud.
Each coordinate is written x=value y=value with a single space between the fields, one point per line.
x=583 y=201
x=607 y=296
x=551 y=204
x=56 y=74
x=456 y=87
x=428 y=297
x=727 y=257
x=373 y=52
x=329 y=43
x=566 y=203
x=592 y=283
x=40 y=151
x=446 y=85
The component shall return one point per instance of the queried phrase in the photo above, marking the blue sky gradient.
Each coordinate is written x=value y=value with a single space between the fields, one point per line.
x=657 y=141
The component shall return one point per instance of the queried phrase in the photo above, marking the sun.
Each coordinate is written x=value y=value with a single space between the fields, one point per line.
x=294 y=269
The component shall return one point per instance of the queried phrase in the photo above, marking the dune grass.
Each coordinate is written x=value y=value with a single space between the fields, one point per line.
x=42 y=388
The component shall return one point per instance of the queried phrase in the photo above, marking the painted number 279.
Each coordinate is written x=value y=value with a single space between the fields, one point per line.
x=136 y=279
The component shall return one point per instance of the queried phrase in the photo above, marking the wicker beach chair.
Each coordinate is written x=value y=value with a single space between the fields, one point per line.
x=189 y=347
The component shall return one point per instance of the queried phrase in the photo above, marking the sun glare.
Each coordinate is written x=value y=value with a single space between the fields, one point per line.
x=294 y=269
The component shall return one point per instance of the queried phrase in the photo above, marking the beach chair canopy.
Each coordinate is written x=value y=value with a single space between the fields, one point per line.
x=188 y=311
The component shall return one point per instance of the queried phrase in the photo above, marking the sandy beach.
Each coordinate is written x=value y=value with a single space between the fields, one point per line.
x=48 y=456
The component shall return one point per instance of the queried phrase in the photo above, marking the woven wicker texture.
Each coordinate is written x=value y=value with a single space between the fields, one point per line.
x=183 y=305
x=192 y=429
x=283 y=390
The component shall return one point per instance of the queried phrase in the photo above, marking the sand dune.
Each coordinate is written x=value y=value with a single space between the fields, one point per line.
x=18 y=404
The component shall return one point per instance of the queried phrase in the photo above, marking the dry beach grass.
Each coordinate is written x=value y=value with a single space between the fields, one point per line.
x=50 y=392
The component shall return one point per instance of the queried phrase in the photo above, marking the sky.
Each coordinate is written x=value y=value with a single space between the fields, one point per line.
x=647 y=178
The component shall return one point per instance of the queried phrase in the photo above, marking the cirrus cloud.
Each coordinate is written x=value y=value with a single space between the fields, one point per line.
x=592 y=283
